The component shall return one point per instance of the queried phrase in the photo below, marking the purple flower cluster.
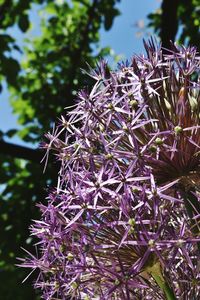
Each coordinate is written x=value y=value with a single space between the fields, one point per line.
x=124 y=221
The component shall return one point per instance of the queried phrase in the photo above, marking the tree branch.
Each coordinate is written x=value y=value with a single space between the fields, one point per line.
x=169 y=22
x=20 y=152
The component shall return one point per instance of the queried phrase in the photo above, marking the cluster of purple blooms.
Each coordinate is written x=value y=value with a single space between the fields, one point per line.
x=124 y=220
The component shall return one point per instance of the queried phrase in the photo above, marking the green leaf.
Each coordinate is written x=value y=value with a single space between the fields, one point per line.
x=23 y=22
x=10 y=133
x=10 y=68
x=109 y=18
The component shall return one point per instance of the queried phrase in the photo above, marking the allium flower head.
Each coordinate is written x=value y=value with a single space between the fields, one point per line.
x=123 y=222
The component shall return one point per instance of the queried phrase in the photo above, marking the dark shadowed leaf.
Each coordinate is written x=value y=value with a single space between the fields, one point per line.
x=23 y=22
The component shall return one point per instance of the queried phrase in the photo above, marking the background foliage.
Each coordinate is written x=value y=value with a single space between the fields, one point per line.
x=41 y=85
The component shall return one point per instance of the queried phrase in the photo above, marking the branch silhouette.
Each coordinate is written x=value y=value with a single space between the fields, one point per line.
x=20 y=152
x=169 y=22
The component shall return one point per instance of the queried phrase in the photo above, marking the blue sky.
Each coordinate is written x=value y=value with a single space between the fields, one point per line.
x=122 y=38
x=123 y=35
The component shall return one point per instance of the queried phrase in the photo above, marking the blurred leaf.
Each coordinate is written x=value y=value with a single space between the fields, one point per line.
x=109 y=18
x=23 y=22
x=10 y=68
x=10 y=133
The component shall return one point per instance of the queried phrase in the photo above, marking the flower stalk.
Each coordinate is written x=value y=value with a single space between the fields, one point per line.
x=156 y=273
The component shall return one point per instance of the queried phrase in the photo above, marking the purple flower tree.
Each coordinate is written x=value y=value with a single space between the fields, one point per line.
x=124 y=220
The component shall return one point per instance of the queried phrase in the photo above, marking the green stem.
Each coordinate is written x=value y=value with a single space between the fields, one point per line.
x=156 y=273
x=164 y=287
